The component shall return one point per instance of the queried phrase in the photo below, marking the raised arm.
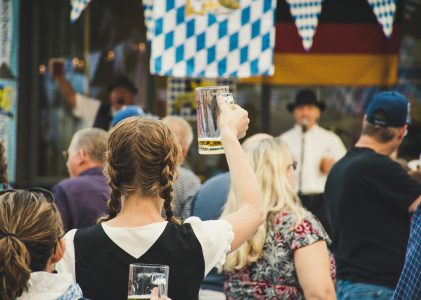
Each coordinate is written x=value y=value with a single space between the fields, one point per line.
x=233 y=124
x=64 y=86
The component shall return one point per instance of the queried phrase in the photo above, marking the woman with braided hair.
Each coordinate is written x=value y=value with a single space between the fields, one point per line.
x=142 y=158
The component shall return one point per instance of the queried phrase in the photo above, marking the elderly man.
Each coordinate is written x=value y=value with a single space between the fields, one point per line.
x=81 y=198
x=92 y=111
x=369 y=198
x=314 y=148
x=187 y=183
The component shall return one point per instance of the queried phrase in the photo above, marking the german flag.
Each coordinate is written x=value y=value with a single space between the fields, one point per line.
x=349 y=48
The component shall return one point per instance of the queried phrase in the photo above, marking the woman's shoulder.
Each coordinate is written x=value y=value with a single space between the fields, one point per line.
x=208 y=230
x=215 y=237
x=300 y=231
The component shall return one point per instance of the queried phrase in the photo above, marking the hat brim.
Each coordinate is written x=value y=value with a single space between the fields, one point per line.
x=291 y=106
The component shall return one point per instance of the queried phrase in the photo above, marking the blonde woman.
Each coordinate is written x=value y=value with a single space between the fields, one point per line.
x=287 y=258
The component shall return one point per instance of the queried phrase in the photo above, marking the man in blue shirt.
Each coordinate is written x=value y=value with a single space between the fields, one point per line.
x=81 y=198
x=409 y=284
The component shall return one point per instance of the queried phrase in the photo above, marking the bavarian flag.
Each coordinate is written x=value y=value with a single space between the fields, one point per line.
x=349 y=48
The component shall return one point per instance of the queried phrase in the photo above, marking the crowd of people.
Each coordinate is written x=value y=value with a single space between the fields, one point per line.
x=295 y=217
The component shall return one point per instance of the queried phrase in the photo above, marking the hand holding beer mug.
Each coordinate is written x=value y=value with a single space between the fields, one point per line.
x=143 y=278
x=56 y=67
x=208 y=112
x=233 y=120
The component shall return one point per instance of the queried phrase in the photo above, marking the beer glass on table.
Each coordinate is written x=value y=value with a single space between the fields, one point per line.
x=144 y=277
x=209 y=138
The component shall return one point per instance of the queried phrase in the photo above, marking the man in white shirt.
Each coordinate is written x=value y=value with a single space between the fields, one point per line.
x=92 y=111
x=314 y=148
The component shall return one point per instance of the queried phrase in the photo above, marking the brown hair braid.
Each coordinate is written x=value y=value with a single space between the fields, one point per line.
x=30 y=228
x=4 y=181
x=142 y=158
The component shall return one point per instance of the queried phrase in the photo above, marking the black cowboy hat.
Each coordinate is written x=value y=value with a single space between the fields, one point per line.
x=306 y=97
x=122 y=81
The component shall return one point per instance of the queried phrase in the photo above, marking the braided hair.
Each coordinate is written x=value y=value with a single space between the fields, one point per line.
x=142 y=157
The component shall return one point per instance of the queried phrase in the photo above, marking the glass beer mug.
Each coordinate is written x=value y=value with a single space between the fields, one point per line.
x=209 y=138
x=144 y=277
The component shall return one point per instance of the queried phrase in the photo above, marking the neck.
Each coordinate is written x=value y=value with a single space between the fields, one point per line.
x=309 y=126
x=88 y=165
x=138 y=211
x=380 y=148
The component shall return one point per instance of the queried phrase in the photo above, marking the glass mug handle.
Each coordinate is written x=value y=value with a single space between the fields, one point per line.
x=229 y=98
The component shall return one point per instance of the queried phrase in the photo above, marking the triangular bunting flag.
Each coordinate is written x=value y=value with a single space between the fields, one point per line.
x=77 y=8
x=385 y=14
x=306 y=17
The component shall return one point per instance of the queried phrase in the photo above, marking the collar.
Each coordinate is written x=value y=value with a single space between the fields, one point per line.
x=92 y=171
x=54 y=284
x=315 y=127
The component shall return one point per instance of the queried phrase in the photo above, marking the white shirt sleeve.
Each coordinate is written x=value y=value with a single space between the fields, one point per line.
x=215 y=237
x=338 y=147
x=67 y=263
x=86 y=108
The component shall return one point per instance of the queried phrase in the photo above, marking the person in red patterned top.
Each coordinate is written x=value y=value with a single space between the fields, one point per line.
x=287 y=258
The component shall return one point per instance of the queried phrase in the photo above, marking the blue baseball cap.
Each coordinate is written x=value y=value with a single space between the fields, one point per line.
x=389 y=109
x=126 y=112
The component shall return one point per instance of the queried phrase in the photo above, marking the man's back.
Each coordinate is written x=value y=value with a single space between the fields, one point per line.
x=185 y=189
x=367 y=201
x=82 y=199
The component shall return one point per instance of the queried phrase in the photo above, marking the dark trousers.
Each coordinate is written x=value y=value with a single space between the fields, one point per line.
x=315 y=203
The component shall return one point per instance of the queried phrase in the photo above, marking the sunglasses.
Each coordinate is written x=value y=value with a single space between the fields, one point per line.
x=47 y=194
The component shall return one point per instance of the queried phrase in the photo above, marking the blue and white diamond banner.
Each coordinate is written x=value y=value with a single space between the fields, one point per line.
x=306 y=15
x=385 y=14
x=77 y=8
x=148 y=13
x=213 y=38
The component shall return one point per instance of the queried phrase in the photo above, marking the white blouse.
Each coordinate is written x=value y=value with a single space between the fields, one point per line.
x=214 y=236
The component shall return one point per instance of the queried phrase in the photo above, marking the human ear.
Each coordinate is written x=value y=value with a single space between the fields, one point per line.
x=58 y=251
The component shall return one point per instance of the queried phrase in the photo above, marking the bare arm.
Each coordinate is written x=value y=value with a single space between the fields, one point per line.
x=414 y=205
x=246 y=220
x=313 y=269
x=64 y=86
x=67 y=90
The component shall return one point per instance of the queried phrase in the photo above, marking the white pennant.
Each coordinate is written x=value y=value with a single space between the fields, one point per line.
x=77 y=8
x=385 y=14
x=306 y=15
